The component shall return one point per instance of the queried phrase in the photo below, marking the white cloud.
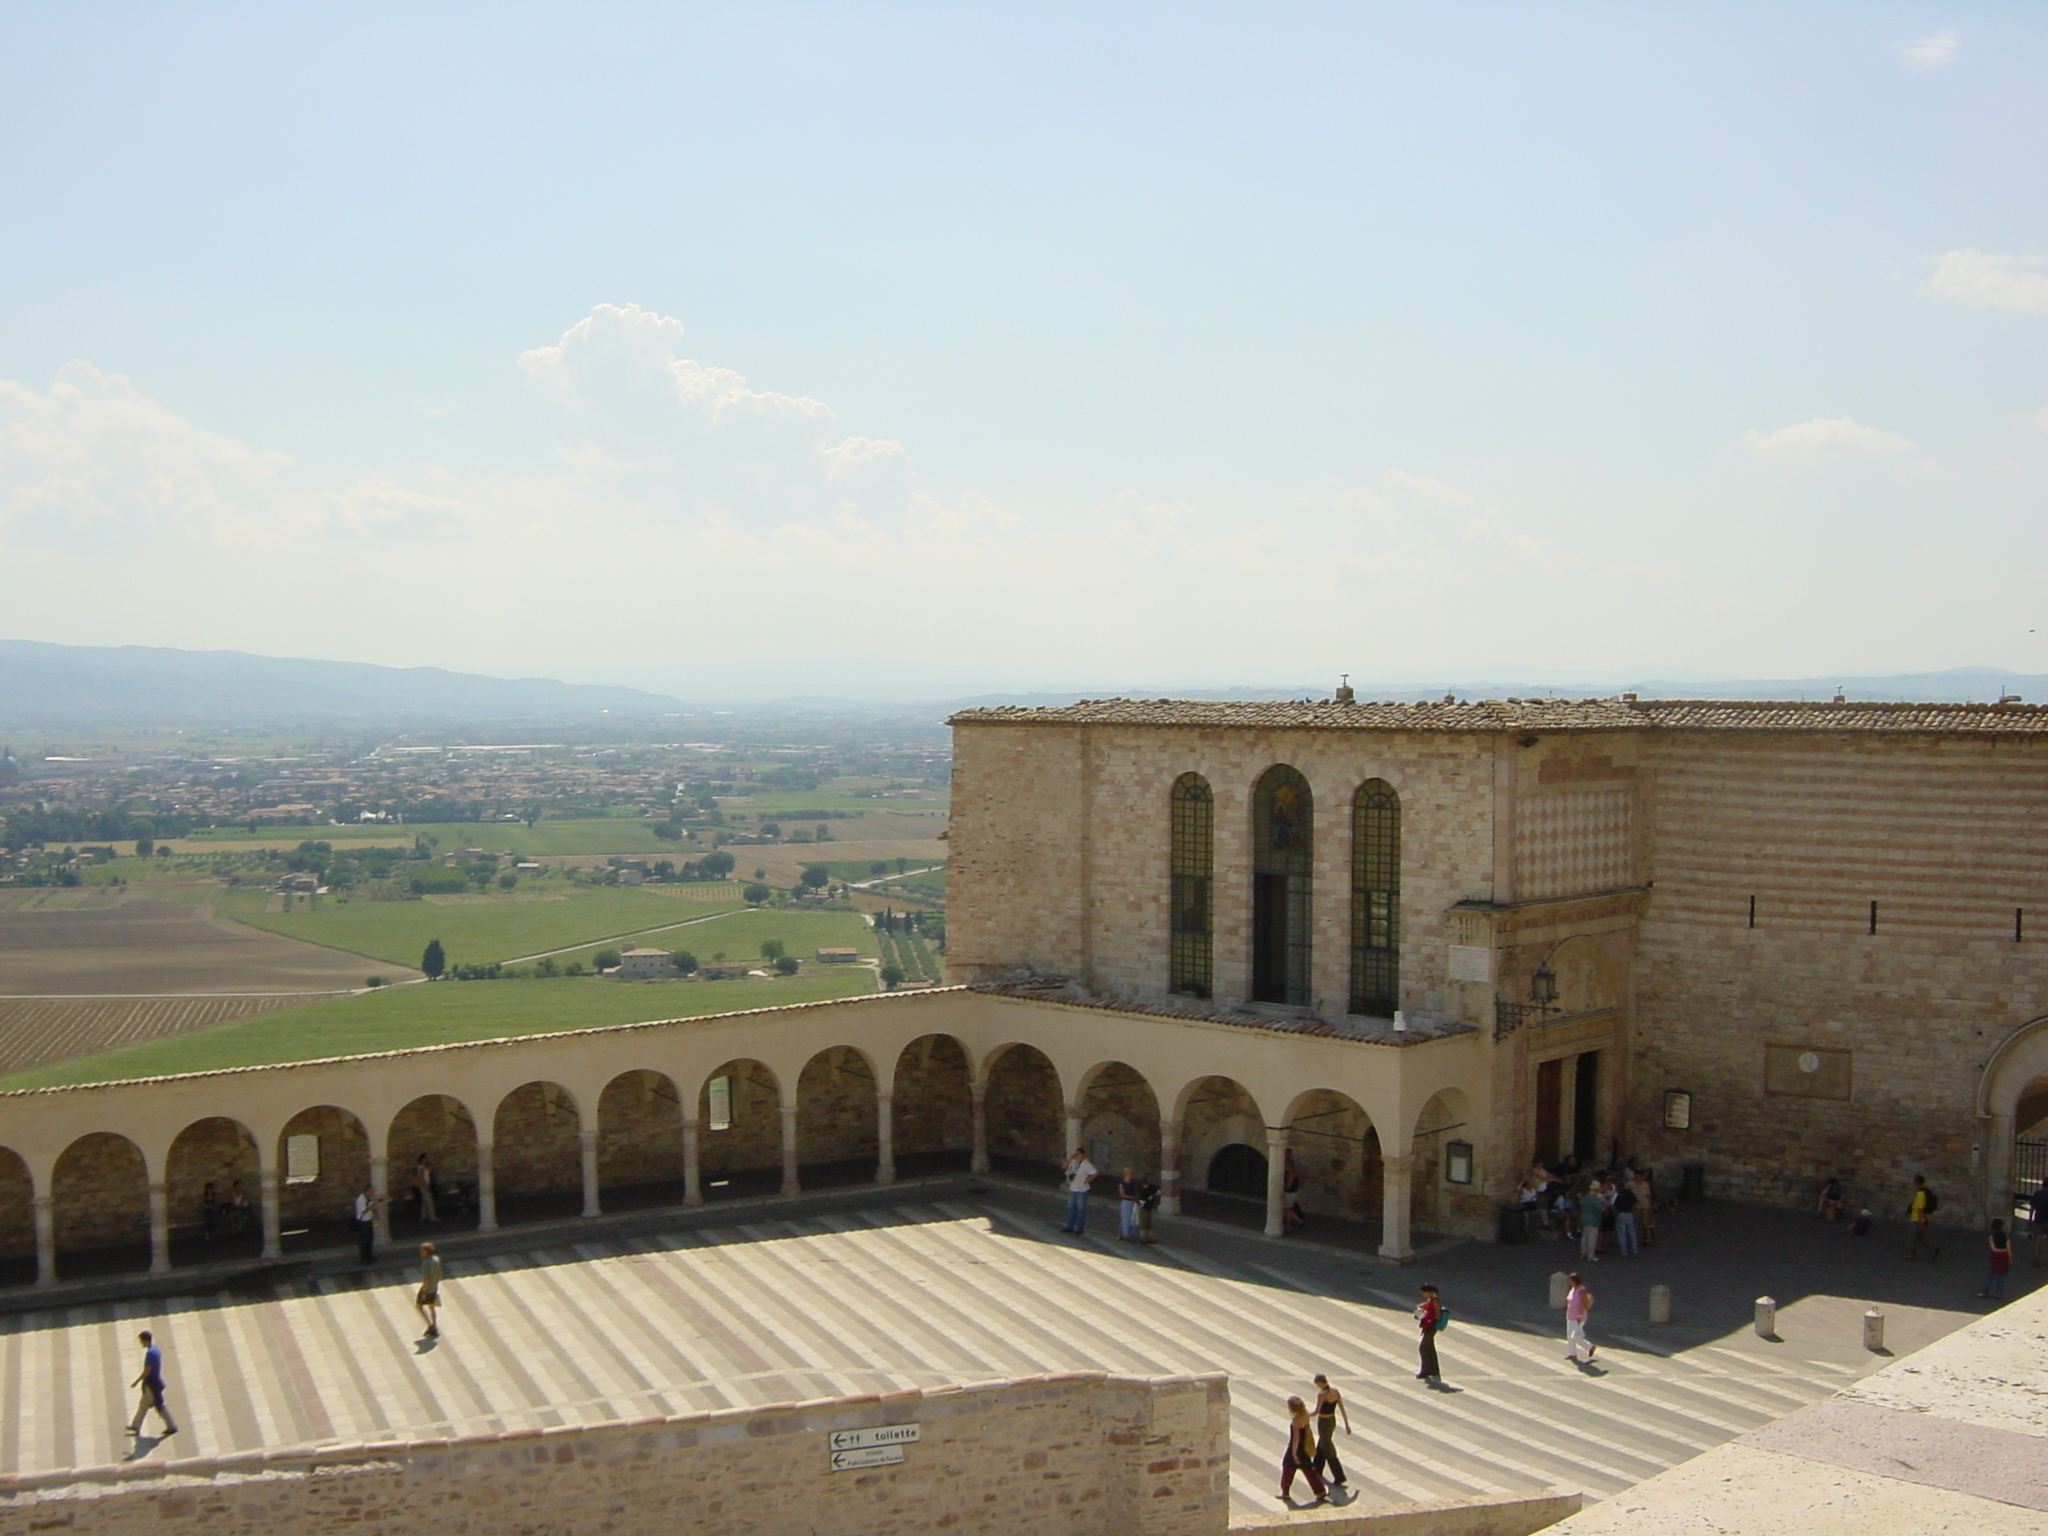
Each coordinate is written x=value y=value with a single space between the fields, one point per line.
x=1823 y=435
x=1428 y=489
x=1984 y=280
x=1936 y=51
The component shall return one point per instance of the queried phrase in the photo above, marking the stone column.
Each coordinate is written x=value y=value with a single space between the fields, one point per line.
x=380 y=1186
x=1397 y=1179
x=486 y=1188
x=791 y=1184
x=1073 y=1131
x=271 y=1182
x=46 y=1240
x=693 y=1178
x=1169 y=1168
x=591 y=1204
x=1276 y=1182
x=977 y=1161
x=885 y=1139
x=159 y=1228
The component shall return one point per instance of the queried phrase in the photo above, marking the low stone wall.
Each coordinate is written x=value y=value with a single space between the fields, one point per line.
x=1516 y=1515
x=1086 y=1453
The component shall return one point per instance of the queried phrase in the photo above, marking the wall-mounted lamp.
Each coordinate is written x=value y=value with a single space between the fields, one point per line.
x=1509 y=1017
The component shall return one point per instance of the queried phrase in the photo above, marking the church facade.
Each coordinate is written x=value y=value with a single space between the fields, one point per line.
x=1777 y=942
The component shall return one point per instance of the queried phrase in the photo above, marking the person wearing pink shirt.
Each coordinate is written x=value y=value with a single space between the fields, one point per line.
x=1578 y=1305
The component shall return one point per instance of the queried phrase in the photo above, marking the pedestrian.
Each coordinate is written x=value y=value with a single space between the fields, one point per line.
x=1329 y=1403
x=1079 y=1175
x=1833 y=1196
x=1920 y=1213
x=1591 y=1209
x=1148 y=1207
x=2000 y=1262
x=238 y=1208
x=1128 y=1193
x=1625 y=1221
x=1300 y=1455
x=1646 y=1207
x=423 y=1189
x=1607 y=1219
x=1578 y=1306
x=1430 y=1317
x=364 y=1217
x=151 y=1382
x=1860 y=1227
x=1291 y=1213
x=2037 y=1219
x=428 y=1298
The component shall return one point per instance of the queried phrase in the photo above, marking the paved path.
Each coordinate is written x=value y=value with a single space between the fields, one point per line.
x=786 y=1303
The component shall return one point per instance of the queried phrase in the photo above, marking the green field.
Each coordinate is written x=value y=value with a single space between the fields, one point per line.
x=739 y=936
x=478 y=930
x=598 y=834
x=400 y=1018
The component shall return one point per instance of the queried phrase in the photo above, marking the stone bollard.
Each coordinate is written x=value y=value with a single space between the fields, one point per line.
x=1560 y=1287
x=1766 y=1317
x=1660 y=1303
x=1873 y=1330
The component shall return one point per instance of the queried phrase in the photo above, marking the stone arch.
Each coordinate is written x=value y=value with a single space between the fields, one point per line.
x=319 y=1208
x=932 y=1112
x=1026 y=1111
x=1119 y=1119
x=2012 y=1094
x=440 y=1127
x=1433 y=1203
x=1337 y=1150
x=745 y=1156
x=640 y=1139
x=100 y=1198
x=220 y=1153
x=837 y=1126
x=1216 y=1112
x=17 y=1219
x=537 y=1152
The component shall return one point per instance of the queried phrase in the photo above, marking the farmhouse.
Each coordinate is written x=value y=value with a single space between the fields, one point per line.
x=644 y=964
x=838 y=956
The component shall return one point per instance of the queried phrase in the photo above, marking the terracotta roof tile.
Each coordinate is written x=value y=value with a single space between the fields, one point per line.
x=1492 y=715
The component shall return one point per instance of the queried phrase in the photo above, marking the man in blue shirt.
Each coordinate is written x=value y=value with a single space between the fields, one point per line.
x=151 y=1381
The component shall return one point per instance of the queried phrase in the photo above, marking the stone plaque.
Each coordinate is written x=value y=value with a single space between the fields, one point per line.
x=1471 y=962
x=1806 y=1072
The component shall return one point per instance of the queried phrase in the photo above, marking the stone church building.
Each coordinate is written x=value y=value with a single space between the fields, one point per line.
x=1389 y=954
x=1778 y=941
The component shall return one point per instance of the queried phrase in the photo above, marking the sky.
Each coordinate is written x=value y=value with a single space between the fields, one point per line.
x=967 y=347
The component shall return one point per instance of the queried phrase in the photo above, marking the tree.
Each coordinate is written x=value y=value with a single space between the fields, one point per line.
x=756 y=894
x=824 y=833
x=434 y=960
x=507 y=880
x=546 y=966
x=879 y=867
x=532 y=816
x=669 y=831
x=144 y=847
x=773 y=949
x=892 y=976
x=786 y=964
x=816 y=876
x=605 y=959
x=771 y=829
x=717 y=865
x=684 y=962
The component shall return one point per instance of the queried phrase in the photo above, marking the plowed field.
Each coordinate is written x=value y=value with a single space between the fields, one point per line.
x=35 y=1031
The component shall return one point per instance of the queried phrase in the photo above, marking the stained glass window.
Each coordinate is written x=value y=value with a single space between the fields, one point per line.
x=1283 y=836
x=1193 y=853
x=1375 y=899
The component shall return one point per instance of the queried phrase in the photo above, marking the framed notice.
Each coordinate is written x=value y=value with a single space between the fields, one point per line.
x=1471 y=962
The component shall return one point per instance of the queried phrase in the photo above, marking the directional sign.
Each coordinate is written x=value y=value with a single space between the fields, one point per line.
x=861 y=1439
x=866 y=1456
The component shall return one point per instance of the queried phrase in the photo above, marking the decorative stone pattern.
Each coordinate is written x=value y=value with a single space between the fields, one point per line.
x=1569 y=843
x=1085 y=1453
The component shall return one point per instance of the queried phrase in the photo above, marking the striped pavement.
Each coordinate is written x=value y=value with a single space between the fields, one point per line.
x=860 y=1299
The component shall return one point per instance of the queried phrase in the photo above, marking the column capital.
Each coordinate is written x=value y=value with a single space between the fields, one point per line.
x=1277 y=1135
x=1400 y=1162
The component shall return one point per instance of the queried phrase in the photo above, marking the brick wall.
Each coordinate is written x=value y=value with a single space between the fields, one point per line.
x=102 y=1193
x=640 y=1130
x=934 y=1109
x=838 y=1124
x=1085 y=1454
x=1027 y=1116
x=536 y=1141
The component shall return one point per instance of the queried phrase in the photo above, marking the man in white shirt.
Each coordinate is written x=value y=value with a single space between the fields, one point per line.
x=1079 y=1174
x=365 y=1221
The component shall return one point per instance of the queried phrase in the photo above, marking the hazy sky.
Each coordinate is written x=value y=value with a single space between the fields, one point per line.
x=972 y=345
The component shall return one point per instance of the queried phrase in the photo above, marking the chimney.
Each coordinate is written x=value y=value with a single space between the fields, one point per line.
x=1344 y=693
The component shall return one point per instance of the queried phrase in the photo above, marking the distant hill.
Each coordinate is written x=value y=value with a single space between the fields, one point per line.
x=149 y=685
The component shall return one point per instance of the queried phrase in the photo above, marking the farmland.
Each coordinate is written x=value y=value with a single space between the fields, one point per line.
x=36 y=1031
x=739 y=935
x=159 y=948
x=398 y=1018
x=500 y=926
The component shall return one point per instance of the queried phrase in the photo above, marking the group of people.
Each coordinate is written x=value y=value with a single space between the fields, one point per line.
x=220 y=1213
x=1612 y=1210
x=1921 y=1207
x=1137 y=1200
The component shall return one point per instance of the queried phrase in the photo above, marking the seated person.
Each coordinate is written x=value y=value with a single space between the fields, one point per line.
x=1860 y=1227
x=1832 y=1197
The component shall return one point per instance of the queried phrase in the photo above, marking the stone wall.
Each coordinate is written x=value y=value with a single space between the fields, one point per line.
x=934 y=1107
x=440 y=1127
x=1120 y=1121
x=838 y=1124
x=754 y=1139
x=344 y=1167
x=215 y=1151
x=1085 y=1454
x=17 y=1208
x=1027 y=1117
x=639 y=1130
x=1947 y=837
x=536 y=1140
x=101 y=1189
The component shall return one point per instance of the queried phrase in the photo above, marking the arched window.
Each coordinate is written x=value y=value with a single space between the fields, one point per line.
x=1375 y=899
x=1193 y=854
x=1283 y=833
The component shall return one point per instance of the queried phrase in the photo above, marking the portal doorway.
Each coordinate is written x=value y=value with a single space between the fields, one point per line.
x=1586 y=1109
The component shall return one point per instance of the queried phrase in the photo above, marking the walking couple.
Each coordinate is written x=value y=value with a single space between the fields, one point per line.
x=1309 y=1443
